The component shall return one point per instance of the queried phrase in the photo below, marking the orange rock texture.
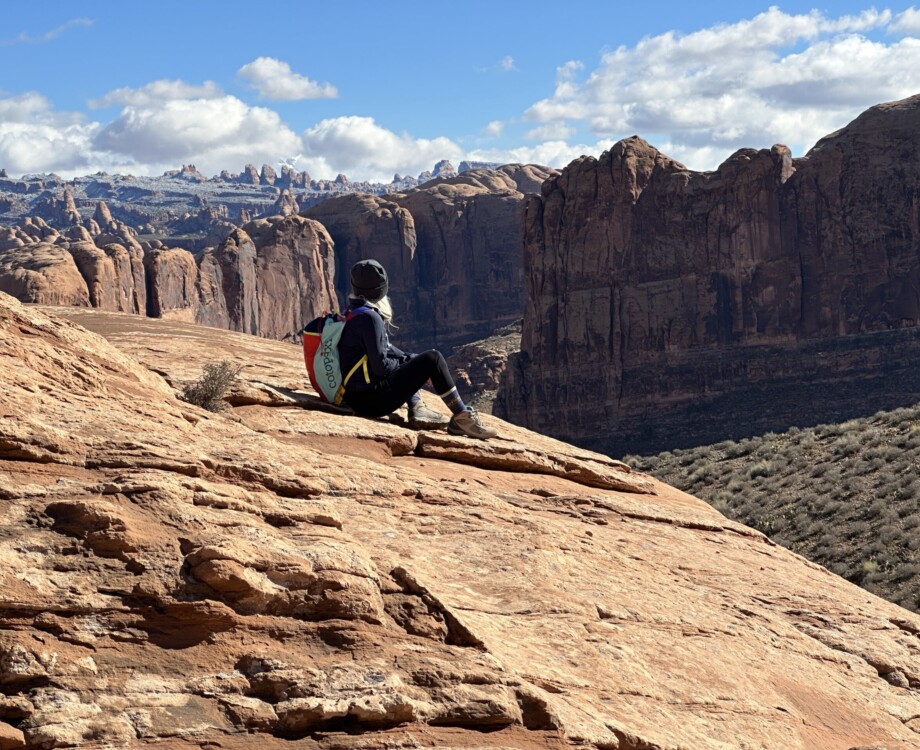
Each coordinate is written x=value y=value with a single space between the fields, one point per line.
x=277 y=576
x=267 y=278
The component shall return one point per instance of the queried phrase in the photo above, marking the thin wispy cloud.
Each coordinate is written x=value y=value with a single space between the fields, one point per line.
x=48 y=36
x=505 y=65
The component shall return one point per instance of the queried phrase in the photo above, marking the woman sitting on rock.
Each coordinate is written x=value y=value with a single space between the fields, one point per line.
x=391 y=378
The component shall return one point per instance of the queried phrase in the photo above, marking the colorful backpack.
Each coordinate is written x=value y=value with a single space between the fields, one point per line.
x=321 y=354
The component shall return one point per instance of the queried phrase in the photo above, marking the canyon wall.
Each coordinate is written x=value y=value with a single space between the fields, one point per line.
x=267 y=278
x=452 y=249
x=668 y=307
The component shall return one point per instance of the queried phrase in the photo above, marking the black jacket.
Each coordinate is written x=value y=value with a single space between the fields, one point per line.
x=366 y=333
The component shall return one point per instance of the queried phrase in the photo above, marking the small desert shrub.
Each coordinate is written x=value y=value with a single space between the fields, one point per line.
x=737 y=450
x=702 y=474
x=829 y=430
x=760 y=469
x=818 y=470
x=848 y=445
x=722 y=501
x=209 y=390
x=805 y=440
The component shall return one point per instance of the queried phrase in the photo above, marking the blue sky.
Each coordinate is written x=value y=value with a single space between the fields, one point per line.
x=370 y=89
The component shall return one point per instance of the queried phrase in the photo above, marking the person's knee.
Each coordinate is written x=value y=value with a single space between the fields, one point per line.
x=433 y=356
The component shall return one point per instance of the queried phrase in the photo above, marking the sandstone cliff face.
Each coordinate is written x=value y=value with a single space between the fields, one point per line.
x=268 y=278
x=295 y=266
x=171 y=291
x=668 y=307
x=370 y=226
x=452 y=249
x=283 y=577
x=43 y=272
x=103 y=267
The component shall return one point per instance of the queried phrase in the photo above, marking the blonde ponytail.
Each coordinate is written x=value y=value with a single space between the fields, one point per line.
x=382 y=306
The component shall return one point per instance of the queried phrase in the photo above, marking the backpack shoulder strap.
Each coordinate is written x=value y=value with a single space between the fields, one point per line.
x=349 y=314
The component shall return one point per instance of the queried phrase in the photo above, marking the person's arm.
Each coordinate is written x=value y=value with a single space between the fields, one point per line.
x=374 y=338
x=395 y=352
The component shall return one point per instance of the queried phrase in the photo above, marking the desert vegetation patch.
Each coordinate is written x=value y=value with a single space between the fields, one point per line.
x=846 y=496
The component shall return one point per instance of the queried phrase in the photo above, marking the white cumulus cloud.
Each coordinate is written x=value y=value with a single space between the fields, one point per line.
x=362 y=149
x=158 y=92
x=35 y=138
x=494 y=128
x=275 y=80
x=556 y=153
x=907 y=22
x=549 y=132
x=774 y=78
x=214 y=134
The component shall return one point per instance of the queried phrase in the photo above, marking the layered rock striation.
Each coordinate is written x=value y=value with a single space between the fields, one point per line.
x=668 y=307
x=283 y=577
x=452 y=249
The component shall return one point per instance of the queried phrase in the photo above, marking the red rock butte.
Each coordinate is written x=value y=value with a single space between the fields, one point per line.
x=668 y=308
x=278 y=576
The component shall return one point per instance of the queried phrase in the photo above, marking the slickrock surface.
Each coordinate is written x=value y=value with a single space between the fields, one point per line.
x=278 y=576
x=452 y=249
x=667 y=307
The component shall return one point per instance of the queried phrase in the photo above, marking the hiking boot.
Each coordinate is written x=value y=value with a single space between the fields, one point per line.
x=468 y=423
x=422 y=418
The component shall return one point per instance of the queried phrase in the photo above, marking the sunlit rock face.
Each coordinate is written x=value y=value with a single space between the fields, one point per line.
x=267 y=278
x=278 y=576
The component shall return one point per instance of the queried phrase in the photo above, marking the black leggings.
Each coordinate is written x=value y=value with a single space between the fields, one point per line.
x=386 y=396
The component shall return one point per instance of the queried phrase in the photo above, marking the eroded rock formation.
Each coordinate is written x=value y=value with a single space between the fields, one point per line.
x=268 y=278
x=451 y=248
x=284 y=577
x=668 y=307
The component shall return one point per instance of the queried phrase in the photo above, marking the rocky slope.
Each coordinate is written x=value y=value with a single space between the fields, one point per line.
x=283 y=577
x=479 y=366
x=452 y=249
x=667 y=307
x=267 y=278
